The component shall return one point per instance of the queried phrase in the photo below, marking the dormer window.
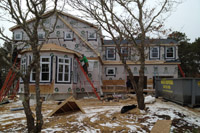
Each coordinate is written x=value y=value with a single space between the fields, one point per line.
x=154 y=52
x=18 y=36
x=92 y=35
x=41 y=35
x=169 y=52
x=68 y=36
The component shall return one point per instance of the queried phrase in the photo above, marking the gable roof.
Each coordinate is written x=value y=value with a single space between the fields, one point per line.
x=53 y=48
x=61 y=13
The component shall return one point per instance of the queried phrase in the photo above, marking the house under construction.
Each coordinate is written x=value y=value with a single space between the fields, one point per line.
x=62 y=74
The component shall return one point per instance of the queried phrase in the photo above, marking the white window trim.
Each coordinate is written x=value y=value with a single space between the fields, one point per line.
x=41 y=68
x=166 y=52
x=92 y=38
x=107 y=49
x=107 y=69
x=43 y=33
x=20 y=33
x=68 y=39
x=151 y=48
x=63 y=69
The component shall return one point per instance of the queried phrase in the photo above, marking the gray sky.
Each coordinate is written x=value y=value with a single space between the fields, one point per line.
x=185 y=18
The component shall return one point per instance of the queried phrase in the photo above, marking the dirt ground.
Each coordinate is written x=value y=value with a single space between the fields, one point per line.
x=103 y=117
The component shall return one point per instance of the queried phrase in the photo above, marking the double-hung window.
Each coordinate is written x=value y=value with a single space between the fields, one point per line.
x=169 y=52
x=45 y=70
x=63 y=71
x=45 y=64
x=154 y=52
x=110 y=53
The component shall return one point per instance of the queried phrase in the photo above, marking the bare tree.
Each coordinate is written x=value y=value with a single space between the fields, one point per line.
x=21 y=12
x=127 y=19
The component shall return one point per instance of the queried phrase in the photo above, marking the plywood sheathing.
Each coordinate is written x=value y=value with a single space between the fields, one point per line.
x=113 y=86
x=150 y=82
x=162 y=126
x=113 y=82
x=71 y=28
x=44 y=89
x=68 y=106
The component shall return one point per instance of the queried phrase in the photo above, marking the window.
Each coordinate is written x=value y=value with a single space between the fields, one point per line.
x=110 y=53
x=110 y=71
x=154 y=52
x=169 y=52
x=68 y=36
x=33 y=75
x=125 y=52
x=45 y=69
x=41 y=35
x=18 y=35
x=63 y=71
x=92 y=35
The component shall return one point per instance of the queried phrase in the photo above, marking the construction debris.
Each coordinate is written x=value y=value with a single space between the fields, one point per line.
x=68 y=106
x=127 y=108
x=4 y=102
x=17 y=109
x=162 y=126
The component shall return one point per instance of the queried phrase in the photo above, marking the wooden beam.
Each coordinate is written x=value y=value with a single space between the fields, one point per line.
x=76 y=32
x=70 y=106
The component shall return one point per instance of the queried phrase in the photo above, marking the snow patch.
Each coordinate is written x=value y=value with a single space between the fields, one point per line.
x=149 y=99
x=110 y=124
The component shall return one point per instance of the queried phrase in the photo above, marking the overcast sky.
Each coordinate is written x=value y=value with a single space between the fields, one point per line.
x=186 y=19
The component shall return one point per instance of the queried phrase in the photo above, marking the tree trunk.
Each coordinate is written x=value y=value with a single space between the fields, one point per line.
x=27 y=109
x=140 y=97
x=138 y=88
x=39 y=117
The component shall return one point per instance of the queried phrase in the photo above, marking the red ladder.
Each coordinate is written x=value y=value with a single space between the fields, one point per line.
x=94 y=90
x=181 y=70
x=8 y=82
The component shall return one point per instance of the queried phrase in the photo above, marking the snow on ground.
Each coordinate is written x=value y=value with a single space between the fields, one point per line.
x=104 y=118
